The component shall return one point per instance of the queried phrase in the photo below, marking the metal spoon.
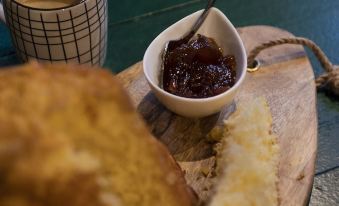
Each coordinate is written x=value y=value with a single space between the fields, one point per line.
x=173 y=44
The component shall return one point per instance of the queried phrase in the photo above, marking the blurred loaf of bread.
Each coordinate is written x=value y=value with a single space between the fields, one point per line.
x=70 y=137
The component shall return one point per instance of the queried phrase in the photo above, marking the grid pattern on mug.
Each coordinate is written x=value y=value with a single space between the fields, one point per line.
x=78 y=35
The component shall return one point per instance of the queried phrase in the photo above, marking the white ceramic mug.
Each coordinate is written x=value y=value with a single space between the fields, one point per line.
x=76 y=33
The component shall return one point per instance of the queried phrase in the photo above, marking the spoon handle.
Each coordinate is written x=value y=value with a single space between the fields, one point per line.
x=200 y=20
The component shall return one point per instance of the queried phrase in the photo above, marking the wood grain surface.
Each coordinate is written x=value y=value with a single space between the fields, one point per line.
x=285 y=79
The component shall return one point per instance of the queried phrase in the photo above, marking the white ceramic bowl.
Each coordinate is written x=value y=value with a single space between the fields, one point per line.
x=223 y=32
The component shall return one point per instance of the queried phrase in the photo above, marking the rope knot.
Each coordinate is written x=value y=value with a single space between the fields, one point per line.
x=329 y=81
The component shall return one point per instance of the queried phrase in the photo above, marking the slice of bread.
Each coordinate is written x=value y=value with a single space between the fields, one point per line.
x=247 y=162
x=70 y=137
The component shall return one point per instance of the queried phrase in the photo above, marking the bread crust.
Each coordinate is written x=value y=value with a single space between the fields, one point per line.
x=46 y=160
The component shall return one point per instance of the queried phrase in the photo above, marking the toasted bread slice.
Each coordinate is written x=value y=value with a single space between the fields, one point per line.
x=247 y=165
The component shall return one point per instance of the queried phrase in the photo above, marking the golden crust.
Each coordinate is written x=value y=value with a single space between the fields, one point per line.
x=70 y=136
x=248 y=158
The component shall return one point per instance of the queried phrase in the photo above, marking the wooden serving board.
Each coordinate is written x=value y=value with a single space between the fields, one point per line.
x=285 y=79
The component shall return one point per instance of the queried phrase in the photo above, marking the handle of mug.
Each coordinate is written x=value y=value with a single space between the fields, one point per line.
x=2 y=14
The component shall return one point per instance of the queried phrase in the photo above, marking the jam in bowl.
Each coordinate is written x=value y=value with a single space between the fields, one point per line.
x=205 y=74
x=198 y=69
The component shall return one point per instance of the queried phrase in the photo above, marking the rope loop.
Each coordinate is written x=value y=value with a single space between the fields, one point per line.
x=328 y=81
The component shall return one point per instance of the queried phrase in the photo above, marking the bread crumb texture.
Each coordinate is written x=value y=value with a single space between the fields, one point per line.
x=247 y=162
x=69 y=136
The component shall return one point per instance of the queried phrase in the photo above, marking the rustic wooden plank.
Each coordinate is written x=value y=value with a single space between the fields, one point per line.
x=286 y=80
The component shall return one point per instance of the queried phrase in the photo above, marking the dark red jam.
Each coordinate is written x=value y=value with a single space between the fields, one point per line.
x=198 y=69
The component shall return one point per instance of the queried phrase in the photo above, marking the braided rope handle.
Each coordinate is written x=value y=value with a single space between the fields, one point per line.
x=328 y=81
